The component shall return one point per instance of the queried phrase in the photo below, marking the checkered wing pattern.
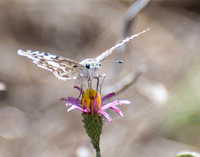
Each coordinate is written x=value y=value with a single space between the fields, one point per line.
x=62 y=67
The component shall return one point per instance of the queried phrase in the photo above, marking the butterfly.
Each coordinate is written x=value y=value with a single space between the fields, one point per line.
x=65 y=68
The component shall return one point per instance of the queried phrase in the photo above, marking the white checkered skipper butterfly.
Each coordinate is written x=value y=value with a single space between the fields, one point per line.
x=65 y=68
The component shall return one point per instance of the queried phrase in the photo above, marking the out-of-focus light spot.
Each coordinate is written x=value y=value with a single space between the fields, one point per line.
x=83 y=152
x=2 y=86
x=156 y=92
x=159 y=92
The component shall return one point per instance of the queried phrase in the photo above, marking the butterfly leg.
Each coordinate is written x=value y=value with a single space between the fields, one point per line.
x=98 y=82
x=103 y=75
x=89 y=83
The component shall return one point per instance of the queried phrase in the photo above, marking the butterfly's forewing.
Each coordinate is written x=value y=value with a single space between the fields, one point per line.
x=63 y=68
x=108 y=52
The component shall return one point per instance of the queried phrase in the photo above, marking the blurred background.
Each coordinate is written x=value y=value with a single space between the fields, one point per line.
x=164 y=117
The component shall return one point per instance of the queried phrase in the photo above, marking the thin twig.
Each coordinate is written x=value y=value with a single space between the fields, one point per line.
x=128 y=21
x=126 y=82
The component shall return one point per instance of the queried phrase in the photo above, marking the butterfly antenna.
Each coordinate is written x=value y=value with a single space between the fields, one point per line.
x=117 y=61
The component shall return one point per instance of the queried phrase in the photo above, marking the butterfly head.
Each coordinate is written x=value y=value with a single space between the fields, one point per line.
x=91 y=64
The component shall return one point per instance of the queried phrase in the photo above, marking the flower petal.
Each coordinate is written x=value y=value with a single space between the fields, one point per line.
x=106 y=115
x=73 y=103
x=114 y=103
x=75 y=107
x=74 y=100
x=86 y=110
x=68 y=104
x=116 y=109
x=63 y=99
x=107 y=96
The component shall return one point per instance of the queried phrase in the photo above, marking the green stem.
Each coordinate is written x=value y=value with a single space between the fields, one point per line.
x=98 y=154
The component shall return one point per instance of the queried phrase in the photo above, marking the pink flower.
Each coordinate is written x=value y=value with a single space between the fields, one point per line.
x=92 y=103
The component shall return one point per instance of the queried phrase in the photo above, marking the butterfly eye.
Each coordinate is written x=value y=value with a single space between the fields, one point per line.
x=87 y=66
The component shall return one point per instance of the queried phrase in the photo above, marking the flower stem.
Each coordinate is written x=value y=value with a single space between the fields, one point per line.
x=98 y=154
x=93 y=125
